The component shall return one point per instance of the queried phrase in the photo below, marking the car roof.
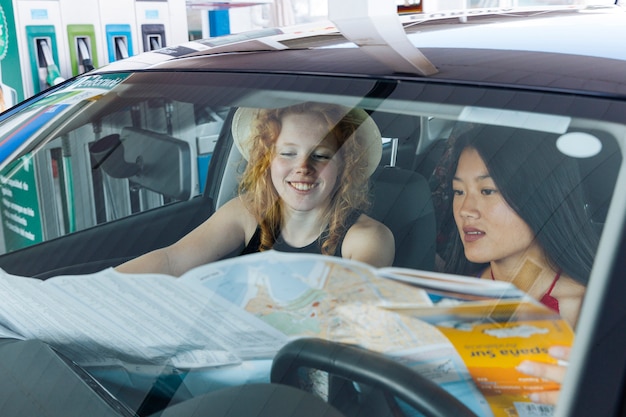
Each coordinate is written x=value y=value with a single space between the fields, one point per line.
x=570 y=49
x=520 y=68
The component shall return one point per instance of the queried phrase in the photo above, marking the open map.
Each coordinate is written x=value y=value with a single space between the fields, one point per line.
x=333 y=300
x=222 y=323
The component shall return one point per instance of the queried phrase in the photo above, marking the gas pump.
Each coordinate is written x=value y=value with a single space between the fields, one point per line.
x=84 y=56
x=82 y=46
x=153 y=36
x=161 y=23
x=57 y=39
x=119 y=28
x=44 y=57
x=80 y=23
x=119 y=42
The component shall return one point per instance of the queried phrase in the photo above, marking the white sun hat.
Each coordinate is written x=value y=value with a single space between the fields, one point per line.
x=368 y=132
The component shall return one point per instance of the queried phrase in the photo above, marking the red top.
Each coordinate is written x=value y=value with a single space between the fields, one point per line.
x=547 y=299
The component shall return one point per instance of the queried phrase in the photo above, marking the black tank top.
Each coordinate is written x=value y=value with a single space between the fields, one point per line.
x=314 y=247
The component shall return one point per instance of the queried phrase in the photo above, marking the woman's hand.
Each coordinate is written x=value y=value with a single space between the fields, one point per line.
x=554 y=372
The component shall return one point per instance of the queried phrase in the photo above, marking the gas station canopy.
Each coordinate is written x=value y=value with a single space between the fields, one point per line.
x=219 y=5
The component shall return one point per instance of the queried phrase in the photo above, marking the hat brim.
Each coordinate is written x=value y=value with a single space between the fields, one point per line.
x=368 y=132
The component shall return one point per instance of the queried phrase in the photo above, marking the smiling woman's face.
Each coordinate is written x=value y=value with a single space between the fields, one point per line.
x=489 y=228
x=305 y=167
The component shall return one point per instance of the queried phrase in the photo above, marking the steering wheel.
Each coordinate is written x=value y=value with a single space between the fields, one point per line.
x=379 y=379
x=383 y=378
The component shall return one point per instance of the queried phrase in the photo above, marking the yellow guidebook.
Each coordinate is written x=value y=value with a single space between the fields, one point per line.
x=493 y=336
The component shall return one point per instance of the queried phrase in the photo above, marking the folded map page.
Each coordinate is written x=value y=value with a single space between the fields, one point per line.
x=109 y=318
x=451 y=284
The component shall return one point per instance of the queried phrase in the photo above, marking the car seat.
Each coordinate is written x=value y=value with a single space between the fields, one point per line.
x=401 y=199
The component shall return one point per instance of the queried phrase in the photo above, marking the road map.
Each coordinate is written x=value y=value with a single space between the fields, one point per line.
x=334 y=300
x=221 y=324
x=343 y=301
x=447 y=328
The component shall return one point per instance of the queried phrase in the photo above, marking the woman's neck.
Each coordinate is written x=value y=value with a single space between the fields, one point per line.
x=533 y=276
x=300 y=228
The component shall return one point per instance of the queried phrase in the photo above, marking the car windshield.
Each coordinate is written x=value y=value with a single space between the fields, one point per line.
x=109 y=166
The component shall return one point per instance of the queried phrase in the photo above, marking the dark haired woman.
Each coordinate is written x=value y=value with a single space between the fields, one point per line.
x=519 y=215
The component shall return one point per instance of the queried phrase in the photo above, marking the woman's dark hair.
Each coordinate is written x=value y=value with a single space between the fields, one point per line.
x=541 y=184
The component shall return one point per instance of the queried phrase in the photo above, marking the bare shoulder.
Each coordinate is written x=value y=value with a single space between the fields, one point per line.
x=232 y=219
x=366 y=224
x=226 y=230
x=235 y=211
x=570 y=294
x=235 y=203
x=368 y=240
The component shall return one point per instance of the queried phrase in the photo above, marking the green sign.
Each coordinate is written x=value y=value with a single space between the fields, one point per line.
x=11 y=83
x=21 y=217
x=4 y=35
